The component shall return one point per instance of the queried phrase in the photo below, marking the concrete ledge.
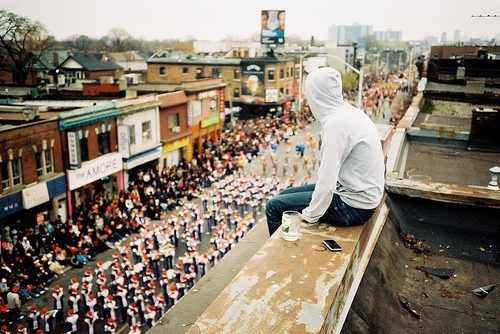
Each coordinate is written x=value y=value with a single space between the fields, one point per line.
x=443 y=192
x=295 y=287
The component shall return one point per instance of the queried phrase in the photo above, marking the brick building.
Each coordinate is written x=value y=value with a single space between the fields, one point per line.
x=90 y=151
x=257 y=85
x=33 y=183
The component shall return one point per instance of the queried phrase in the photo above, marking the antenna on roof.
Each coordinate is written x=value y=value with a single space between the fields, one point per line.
x=486 y=15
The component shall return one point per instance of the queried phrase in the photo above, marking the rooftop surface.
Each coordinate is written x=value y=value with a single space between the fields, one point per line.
x=424 y=235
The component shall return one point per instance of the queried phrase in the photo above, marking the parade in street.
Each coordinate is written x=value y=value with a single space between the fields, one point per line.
x=128 y=287
x=135 y=255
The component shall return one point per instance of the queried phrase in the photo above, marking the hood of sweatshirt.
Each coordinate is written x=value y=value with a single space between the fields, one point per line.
x=323 y=89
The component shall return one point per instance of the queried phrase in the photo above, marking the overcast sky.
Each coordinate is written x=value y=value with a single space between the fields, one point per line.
x=212 y=20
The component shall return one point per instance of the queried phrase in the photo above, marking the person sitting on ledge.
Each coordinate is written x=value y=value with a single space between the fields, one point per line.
x=351 y=174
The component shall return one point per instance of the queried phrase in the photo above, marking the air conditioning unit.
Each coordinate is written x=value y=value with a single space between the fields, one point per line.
x=176 y=129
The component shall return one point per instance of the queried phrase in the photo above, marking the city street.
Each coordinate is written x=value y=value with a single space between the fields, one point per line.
x=291 y=168
x=285 y=160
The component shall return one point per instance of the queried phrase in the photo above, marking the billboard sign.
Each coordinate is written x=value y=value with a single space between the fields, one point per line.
x=360 y=52
x=272 y=29
x=252 y=82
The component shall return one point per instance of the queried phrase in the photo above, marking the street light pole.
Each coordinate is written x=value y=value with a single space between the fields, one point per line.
x=300 y=81
x=361 y=76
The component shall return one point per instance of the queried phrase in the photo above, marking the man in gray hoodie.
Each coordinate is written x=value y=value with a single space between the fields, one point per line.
x=351 y=174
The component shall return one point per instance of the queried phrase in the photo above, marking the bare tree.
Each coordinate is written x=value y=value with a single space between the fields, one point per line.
x=80 y=43
x=120 y=40
x=18 y=38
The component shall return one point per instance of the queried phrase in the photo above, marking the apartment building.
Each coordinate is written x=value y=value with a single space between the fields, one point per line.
x=257 y=86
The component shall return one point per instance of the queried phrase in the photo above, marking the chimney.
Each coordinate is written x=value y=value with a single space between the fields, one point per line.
x=56 y=59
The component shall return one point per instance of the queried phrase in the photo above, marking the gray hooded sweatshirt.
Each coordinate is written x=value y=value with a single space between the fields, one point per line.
x=352 y=161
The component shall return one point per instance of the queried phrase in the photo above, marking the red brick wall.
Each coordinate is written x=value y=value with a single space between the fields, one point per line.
x=22 y=140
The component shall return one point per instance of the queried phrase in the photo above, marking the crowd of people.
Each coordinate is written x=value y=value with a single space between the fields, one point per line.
x=144 y=278
x=229 y=198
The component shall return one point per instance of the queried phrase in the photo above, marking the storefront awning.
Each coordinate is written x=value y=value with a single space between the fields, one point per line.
x=35 y=195
x=142 y=158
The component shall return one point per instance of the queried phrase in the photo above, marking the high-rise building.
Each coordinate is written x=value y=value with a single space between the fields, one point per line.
x=443 y=37
x=388 y=35
x=342 y=35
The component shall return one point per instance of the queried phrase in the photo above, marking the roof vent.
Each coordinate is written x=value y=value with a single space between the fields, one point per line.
x=493 y=185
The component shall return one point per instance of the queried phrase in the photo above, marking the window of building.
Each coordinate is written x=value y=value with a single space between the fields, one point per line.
x=282 y=74
x=237 y=74
x=172 y=121
x=185 y=70
x=84 y=149
x=146 y=131
x=162 y=71
x=288 y=72
x=103 y=140
x=236 y=93
x=270 y=74
x=131 y=134
x=44 y=162
x=11 y=173
x=199 y=73
x=216 y=72
x=214 y=105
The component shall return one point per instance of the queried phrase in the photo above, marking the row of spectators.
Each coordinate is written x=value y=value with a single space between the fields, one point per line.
x=37 y=255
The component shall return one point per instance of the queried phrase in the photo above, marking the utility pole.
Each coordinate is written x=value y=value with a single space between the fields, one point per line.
x=361 y=76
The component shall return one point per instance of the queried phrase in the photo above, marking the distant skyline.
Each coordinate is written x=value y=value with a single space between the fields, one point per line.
x=213 y=20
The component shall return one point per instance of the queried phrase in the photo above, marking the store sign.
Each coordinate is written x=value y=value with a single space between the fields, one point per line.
x=73 y=149
x=207 y=94
x=94 y=170
x=10 y=204
x=124 y=140
x=40 y=218
x=221 y=100
x=210 y=121
x=175 y=145
x=35 y=195
x=271 y=95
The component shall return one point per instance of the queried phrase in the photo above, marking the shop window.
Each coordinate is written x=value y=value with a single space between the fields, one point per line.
x=44 y=162
x=237 y=74
x=270 y=75
x=103 y=140
x=11 y=173
x=84 y=149
x=146 y=131
x=131 y=134
x=162 y=71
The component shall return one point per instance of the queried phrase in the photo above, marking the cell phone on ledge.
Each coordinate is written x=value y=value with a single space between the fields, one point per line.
x=332 y=245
